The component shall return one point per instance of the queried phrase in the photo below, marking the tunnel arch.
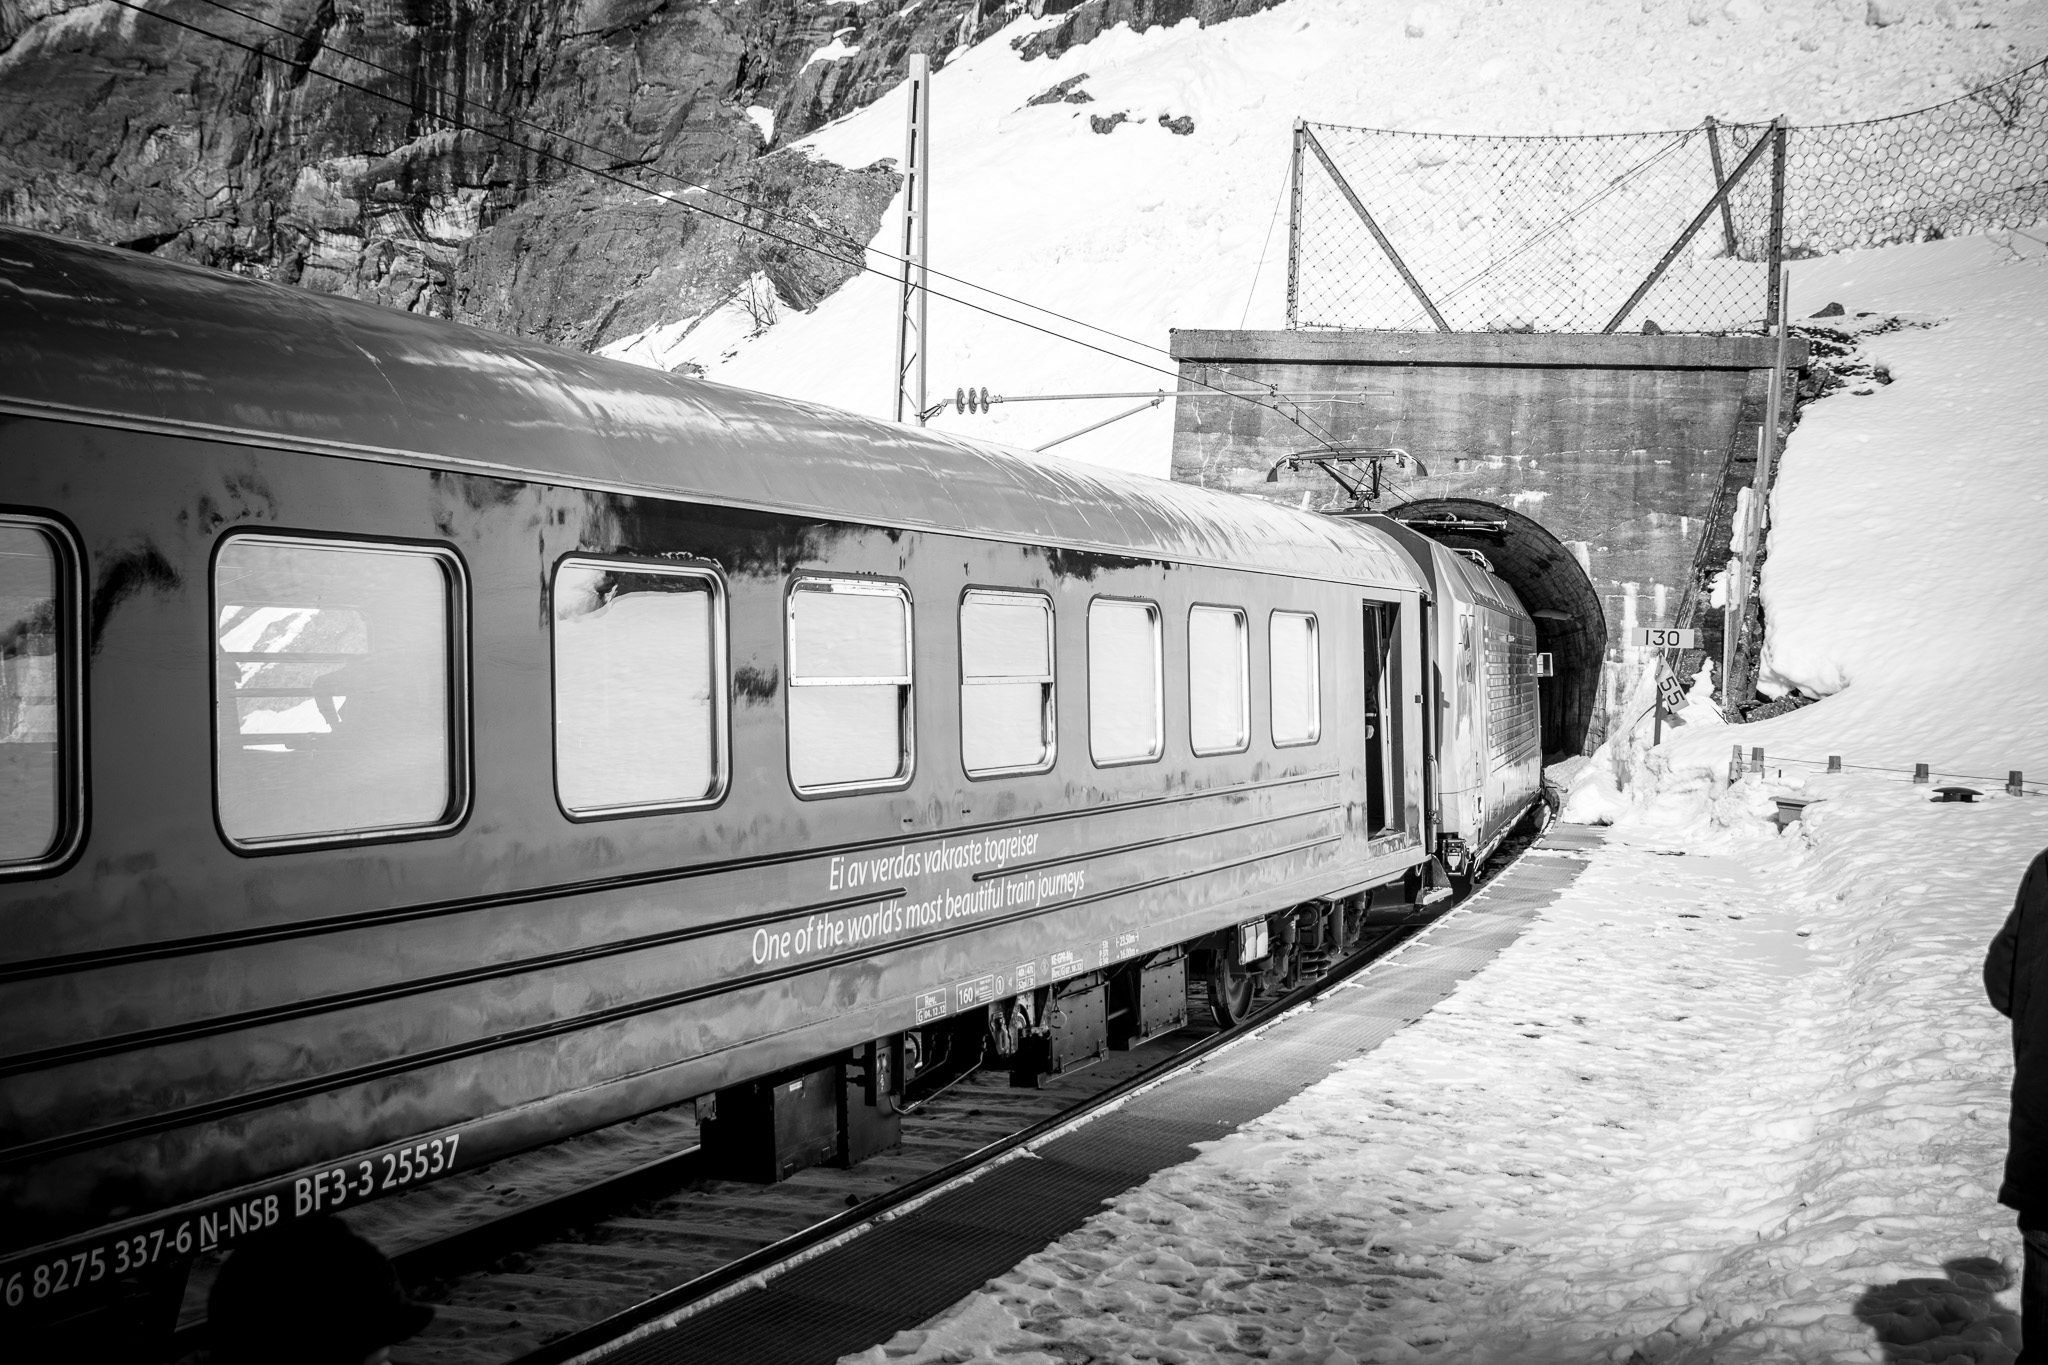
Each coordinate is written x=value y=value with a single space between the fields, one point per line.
x=1571 y=622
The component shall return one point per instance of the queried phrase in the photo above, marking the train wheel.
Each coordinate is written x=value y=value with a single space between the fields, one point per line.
x=1230 y=990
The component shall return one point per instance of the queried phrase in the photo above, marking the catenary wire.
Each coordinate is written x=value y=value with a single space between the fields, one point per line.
x=1264 y=246
x=459 y=101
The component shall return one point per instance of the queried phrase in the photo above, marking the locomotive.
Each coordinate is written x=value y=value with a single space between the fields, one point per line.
x=418 y=745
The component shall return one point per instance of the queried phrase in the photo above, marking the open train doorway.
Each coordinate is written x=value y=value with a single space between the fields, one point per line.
x=1379 y=637
x=1571 y=622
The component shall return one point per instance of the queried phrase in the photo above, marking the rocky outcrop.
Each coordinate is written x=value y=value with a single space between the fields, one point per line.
x=584 y=266
x=508 y=163
x=1068 y=91
x=877 y=41
x=466 y=159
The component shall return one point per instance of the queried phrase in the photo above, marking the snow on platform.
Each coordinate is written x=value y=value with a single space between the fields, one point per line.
x=1731 y=1099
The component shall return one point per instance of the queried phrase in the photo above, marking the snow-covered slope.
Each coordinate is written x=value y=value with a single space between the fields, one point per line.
x=1141 y=229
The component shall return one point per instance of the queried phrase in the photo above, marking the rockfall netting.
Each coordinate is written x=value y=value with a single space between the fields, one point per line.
x=1415 y=231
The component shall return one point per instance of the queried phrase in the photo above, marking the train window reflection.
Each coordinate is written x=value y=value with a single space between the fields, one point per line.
x=335 y=714
x=1123 y=681
x=849 y=684
x=639 y=675
x=1219 y=713
x=1296 y=678
x=1006 y=677
x=31 y=772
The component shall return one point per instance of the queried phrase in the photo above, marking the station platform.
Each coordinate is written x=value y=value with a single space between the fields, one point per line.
x=898 y=1273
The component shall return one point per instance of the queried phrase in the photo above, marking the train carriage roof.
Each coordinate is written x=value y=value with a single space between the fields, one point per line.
x=100 y=332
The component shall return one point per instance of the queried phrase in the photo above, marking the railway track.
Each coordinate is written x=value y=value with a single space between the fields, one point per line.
x=543 y=1258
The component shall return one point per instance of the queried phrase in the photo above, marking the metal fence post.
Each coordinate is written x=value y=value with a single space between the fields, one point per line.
x=1294 y=231
x=1720 y=179
x=1767 y=457
x=1780 y=132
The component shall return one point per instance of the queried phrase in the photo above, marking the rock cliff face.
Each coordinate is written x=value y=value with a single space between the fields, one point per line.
x=507 y=162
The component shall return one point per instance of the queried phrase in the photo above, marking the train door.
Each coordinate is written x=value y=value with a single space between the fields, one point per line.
x=1471 y=716
x=1432 y=723
x=1381 y=621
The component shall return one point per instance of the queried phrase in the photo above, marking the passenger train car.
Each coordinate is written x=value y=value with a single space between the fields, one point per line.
x=417 y=745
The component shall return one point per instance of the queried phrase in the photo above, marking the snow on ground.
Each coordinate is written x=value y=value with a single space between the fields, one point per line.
x=1140 y=230
x=1736 y=1097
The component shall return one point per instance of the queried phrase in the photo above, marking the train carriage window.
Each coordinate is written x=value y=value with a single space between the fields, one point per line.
x=1296 y=668
x=1219 y=708
x=1006 y=679
x=639 y=687
x=31 y=710
x=1123 y=681
x=849 y=685
x=337 y=709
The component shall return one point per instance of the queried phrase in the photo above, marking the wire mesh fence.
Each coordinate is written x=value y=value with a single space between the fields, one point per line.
x=1413 y=231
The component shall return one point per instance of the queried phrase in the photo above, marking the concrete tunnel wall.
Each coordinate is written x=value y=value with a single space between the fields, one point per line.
x=1629 y=449
x=1571 y=623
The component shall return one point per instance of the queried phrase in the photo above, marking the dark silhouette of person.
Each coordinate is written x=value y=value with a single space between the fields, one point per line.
x=310 y=1292
x=2016 y=978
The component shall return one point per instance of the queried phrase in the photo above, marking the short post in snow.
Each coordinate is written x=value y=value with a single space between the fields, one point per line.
x=1920 y=774
x=1735 y=765
x=1756 y=760
x=1834 y=763
x=2016 y=783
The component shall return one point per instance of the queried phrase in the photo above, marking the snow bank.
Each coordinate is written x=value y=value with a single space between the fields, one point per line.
x=1907 y=551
